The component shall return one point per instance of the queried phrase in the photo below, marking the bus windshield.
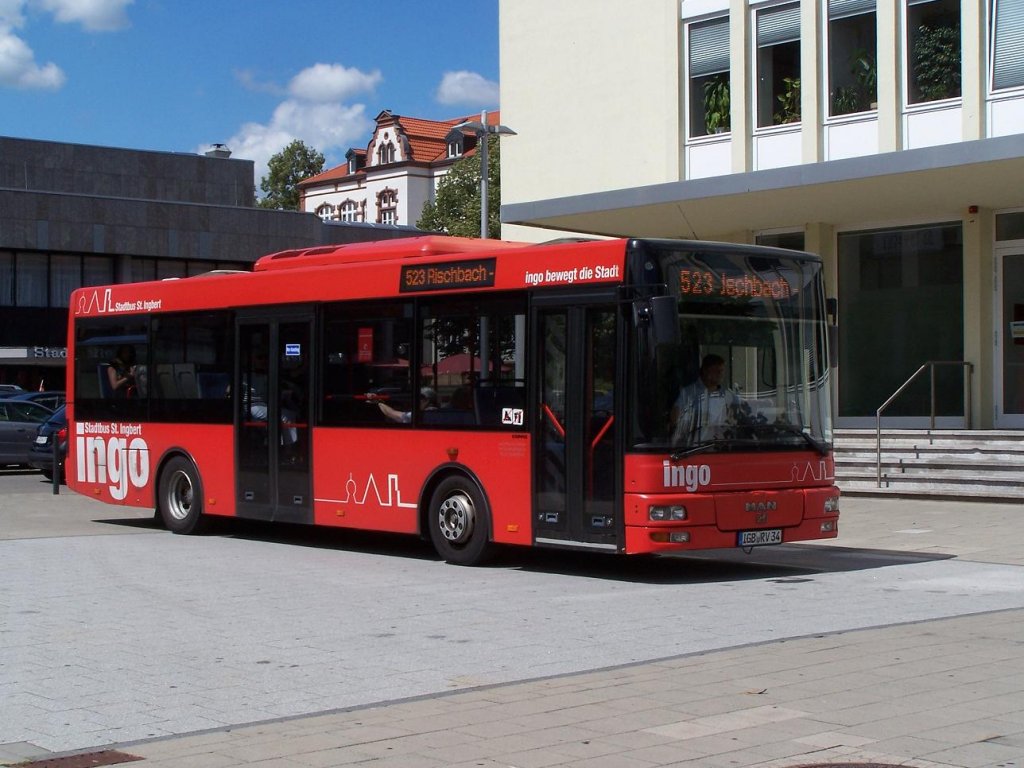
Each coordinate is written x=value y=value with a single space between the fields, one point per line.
x=748 y=370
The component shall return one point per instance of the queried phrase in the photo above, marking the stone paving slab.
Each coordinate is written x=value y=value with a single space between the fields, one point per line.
x=937 y=681
x=597 y=718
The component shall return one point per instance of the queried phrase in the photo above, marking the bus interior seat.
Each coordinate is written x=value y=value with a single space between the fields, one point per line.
x=448 y=416
x=166 y=385
x=490 y=400
x=185 y=377
x=213 y=385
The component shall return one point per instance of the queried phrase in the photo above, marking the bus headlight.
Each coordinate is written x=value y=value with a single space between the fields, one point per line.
x=832 y=504
x=666 y=512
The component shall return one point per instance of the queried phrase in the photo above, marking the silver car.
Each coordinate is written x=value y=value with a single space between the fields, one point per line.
x=19 y=421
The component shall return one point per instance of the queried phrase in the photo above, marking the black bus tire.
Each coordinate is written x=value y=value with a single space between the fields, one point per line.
x=459 y=522
x=180 y=497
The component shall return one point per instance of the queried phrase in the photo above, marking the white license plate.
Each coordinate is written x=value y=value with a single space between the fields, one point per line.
x=759 y=538
x=40 y=439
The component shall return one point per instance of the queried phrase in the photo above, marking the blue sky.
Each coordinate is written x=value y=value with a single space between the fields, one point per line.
x=179 y=75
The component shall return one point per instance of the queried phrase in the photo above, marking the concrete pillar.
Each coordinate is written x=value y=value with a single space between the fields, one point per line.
x=811 y=63
x=980 y=311
x=974 y=68
x=820 y=238
x=890 y=76
x=741 y=87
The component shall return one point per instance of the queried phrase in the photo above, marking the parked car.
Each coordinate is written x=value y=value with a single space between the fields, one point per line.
x=19 y=420
x=51 y=398
x=41 y=453
x=6 y=390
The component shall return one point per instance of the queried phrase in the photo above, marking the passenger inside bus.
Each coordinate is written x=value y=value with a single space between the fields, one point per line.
x=254 y=402
x=121 y=372
x=428 y=401
x=705 y=407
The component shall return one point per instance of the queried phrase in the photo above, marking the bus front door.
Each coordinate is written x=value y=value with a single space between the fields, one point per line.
x=575 y=465
x=272 y=417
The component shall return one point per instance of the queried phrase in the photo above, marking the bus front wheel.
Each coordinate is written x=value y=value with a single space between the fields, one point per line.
x=180 y=497
x=459 y=522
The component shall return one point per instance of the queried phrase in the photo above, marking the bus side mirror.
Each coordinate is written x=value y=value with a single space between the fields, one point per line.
x=832 y=329
x=659 y=316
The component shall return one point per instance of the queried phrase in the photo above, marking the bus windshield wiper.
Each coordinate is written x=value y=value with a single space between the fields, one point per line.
x=702 y=447
x=819 y=445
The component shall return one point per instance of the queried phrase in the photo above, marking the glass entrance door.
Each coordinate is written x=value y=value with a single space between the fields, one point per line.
x=575 y=467
x=272 y=419
x=1009 y=336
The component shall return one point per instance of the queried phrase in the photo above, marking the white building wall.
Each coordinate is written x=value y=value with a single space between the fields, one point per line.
x=593 y=109
x=420 y=191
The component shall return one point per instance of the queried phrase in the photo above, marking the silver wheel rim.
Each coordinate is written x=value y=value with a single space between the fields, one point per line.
x=179 y=495
x=456 y=518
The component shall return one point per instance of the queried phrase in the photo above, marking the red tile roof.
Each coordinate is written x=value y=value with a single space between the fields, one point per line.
x=426 y=142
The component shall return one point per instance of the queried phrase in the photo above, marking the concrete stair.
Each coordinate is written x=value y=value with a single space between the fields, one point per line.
x=949 y=463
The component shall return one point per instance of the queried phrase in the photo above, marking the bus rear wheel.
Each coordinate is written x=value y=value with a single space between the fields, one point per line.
x=180 y=497
x=459 y=522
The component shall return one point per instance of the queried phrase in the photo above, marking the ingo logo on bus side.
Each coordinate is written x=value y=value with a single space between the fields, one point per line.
x=113 y=454
x=688 y=476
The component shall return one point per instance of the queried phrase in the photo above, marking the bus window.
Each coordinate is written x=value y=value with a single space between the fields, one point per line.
x=472 y=357
x=192 y=363
x=365 y=362
x=107 y=386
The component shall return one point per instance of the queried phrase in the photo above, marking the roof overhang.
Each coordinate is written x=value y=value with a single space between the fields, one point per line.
x=919 y=183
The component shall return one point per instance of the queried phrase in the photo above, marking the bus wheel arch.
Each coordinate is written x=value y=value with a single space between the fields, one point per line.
x=455 y=515
x=179 y=494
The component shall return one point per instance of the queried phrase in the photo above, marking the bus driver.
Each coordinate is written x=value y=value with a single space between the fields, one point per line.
x=705 y=406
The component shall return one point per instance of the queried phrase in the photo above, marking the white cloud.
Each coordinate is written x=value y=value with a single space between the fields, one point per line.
x=18 y=67
x=93 y=15
x=10 y=13
x=331 y=82
x=247 y=79
x=467 y=88
x=328 y=128
x=315 y=113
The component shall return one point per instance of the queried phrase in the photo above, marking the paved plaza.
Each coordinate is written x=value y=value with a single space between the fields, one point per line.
x=902 y=643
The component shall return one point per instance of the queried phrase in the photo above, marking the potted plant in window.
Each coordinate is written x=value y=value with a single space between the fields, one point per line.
x=717 y=118
x=936 y=54
x=789 y=102
x=861 y=94
x=865 y=73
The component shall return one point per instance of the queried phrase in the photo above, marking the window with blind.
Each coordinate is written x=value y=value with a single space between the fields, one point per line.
x=1007 y=24
x=708 y=55
x=778 y=64
x=852 y=48
x=933 y=50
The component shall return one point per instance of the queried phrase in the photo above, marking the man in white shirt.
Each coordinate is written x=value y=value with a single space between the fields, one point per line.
x=705 y=406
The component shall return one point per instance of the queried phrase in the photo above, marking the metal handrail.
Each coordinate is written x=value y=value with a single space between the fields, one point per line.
x=931 y=366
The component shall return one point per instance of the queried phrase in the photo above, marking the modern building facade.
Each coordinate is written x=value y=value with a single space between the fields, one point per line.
x=885 y=135
x=74 y=215
x=397 y=173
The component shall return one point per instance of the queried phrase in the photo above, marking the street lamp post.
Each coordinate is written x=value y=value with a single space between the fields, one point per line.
x=482 y=130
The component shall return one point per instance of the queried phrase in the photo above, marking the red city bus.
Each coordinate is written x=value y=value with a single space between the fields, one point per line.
x=472 y=392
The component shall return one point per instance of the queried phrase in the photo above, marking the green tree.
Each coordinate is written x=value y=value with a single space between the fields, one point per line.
x=284 y=171
x=455 y=209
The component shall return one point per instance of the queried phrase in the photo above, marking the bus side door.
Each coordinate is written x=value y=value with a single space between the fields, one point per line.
x=577 y=462
x=273 y=412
